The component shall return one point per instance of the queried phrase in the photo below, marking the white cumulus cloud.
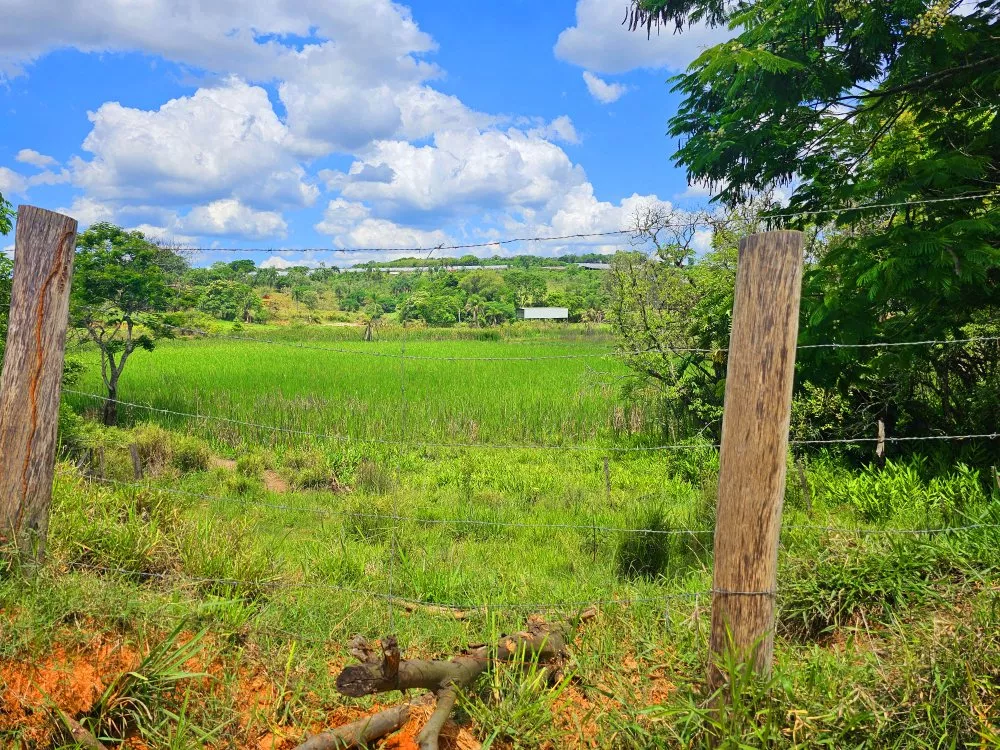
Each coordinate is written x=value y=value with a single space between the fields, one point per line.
x=219 y=142
x=35 y=159
x=352 y=225
x=11 y=182
x=599 y=42
x=601 y=90
x=230 y=218
x=467 y=170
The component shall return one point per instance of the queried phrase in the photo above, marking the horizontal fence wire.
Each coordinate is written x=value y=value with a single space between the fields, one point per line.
x=903 y=439
x=700 y=222
x=515 y=446
x=333 y=512
x=928 y=531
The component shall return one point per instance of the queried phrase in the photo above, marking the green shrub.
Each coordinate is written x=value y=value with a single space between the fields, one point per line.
x=121 y=528
x=241 y=484
x=834 y=584
x=900 y=490
x=75 y=433
x=191 y=454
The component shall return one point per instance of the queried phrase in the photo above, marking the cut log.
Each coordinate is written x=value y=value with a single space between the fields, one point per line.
x=541 y=642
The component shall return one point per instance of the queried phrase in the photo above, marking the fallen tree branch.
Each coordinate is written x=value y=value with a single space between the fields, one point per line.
x=386 y=671
x=80 y=734
x=361 y=732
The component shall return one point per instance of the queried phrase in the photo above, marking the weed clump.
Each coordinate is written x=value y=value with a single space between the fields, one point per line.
x=190 y=454
x=644 y=551
x=373 y=478
x=250 y=465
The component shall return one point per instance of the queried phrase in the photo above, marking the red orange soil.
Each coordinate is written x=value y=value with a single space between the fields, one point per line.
x=69 y=679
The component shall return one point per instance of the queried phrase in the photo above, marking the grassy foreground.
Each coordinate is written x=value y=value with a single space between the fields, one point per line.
x=230 y=579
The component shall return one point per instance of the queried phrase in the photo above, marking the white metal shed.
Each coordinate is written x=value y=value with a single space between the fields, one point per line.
x=543 y=313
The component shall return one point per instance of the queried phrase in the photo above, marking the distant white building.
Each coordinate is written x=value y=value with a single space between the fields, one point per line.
x=543 y=313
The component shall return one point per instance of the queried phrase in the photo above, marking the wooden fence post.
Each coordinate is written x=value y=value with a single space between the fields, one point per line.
x=32 y=372
x=754 y=449
x=136 y=461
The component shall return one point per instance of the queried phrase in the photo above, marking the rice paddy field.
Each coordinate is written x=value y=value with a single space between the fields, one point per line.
x=301 y=486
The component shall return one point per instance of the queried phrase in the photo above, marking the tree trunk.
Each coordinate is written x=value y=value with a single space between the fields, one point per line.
x=111 y=405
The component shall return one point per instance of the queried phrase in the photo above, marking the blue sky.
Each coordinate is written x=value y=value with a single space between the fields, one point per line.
x=340 y=123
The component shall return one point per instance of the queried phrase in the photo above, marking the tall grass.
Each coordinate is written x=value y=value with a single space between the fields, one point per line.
x=356 y=395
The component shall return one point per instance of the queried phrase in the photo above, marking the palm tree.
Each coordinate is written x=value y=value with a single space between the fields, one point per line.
x=372 y=320
x=475 y=306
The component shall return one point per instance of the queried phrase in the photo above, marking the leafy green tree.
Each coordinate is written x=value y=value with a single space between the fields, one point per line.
x=6 y=278
x=243 y=268
x=670 y=309
x=889 y=104
x=528 y=288
x=499 y=311
x=305 y=295
x=266 y=277
x=231 y=300
x=6 y=216
x=120 y=292
x=487 y=284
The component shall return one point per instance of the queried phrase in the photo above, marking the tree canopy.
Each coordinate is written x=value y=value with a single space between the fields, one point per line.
x=879 y=120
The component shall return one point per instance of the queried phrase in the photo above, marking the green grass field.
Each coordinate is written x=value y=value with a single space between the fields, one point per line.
x=284 y=544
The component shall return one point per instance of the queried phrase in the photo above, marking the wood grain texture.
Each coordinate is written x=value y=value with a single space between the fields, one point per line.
x=753 y=457
x=32 y=372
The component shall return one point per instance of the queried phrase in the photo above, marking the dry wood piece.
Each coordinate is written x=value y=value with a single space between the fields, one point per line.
x=136 y=461
x=81 y=736
x=361 y=732
x=382 y=670
x=434 y=609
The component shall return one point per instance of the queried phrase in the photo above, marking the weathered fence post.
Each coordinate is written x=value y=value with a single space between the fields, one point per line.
x=133 y=450
x=754 y=449
x=32 y=372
